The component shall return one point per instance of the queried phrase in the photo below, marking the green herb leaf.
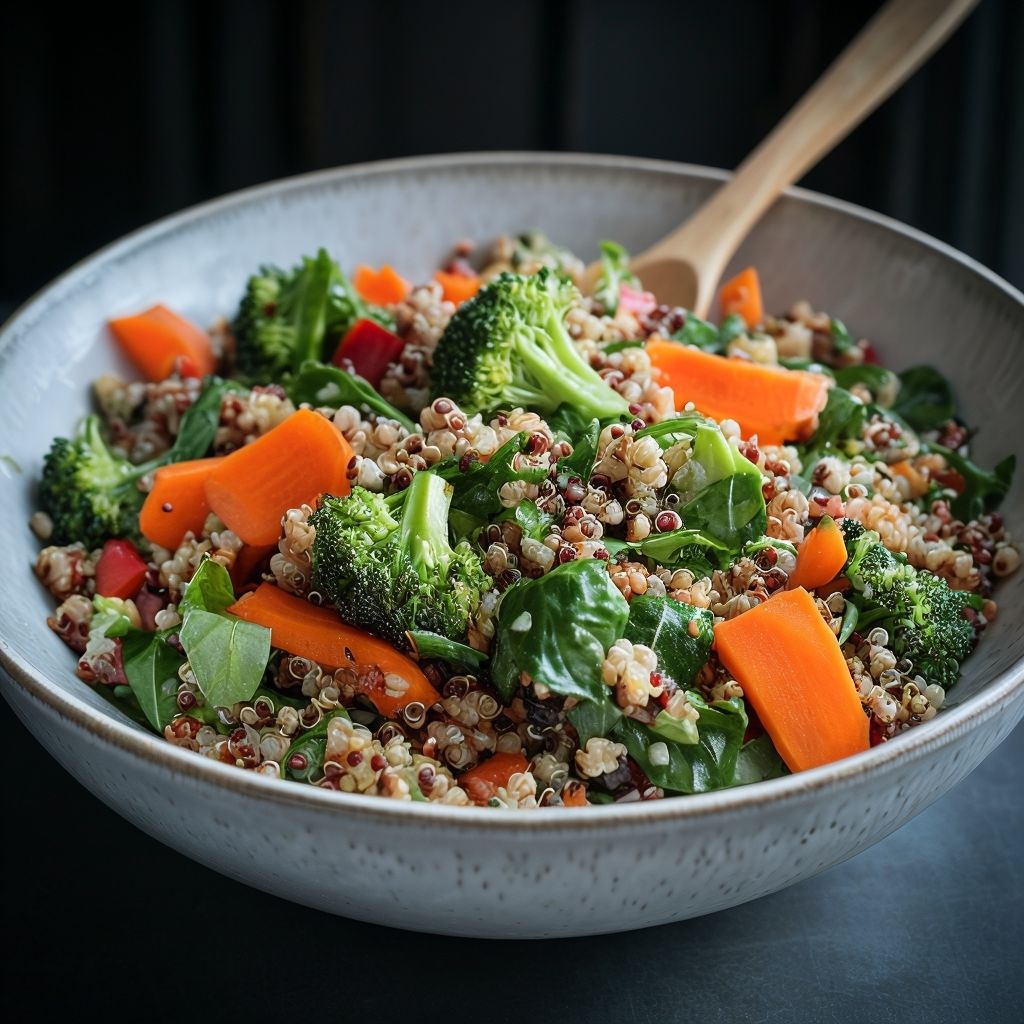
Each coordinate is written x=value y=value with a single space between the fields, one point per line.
x=677 y=549
x=842 y=340
x=732 y=327
x=432 y=645
x=151 y=667
x=557 y=629
x=759 y=760
x=209 y=589
x=227 y=655
x=984 y=488
x=528 y=518
x=842 y=419
x=584 y=451
x=679 y=730
x=925 y=398
x=594 y=717
x=312 y=745
x=732 y=510
x=699 y=333
x=323 y=385
x=679 y=634
x=877 y=379
x=200 y=422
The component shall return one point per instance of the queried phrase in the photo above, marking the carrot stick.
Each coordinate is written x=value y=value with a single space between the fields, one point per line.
x=742 y=294
x=290 y=466
x=820 y=557
x=381 y=287
x=793 y=672
x=177 y=502
x=483 y=781
x=158 y=340
x=305 y=629
x=776 y=404
x=457 y=287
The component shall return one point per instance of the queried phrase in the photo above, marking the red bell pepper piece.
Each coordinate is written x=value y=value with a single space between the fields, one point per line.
x=120 y=571
x=370 y=349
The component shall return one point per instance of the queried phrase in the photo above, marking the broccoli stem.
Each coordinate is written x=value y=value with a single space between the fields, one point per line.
x=423 y=528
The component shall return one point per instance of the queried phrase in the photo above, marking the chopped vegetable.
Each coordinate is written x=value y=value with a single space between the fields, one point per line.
x=821 y=556
x=120 y=571
x=370 y=349
x=177 y=502
x=382 y=287
x=300 y=459
x=794 y=674
x=775 y=404
x=159 y=341
x=317 y=633
x=483 y=782
x=742 y=295
x=457 y=288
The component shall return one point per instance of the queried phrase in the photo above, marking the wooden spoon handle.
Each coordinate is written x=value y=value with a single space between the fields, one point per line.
x=889 y=48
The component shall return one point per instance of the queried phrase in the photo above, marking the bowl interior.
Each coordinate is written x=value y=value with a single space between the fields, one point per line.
x=918 y=302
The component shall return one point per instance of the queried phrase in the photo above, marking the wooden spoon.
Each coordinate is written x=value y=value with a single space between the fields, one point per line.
x=684 y=268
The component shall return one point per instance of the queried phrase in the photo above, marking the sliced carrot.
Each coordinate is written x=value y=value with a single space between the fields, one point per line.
x=158 y=340
x=249 y=560
x=792 y=670
x=381 y=287
x=290 y=466
x=305 y=629
x=742 y=294
x=177 y=502
x=457 y=287
x=483 y=781
x=820 y=557
x=776 y=404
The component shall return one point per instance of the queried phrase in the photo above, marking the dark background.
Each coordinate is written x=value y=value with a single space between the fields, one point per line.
x=112 y=115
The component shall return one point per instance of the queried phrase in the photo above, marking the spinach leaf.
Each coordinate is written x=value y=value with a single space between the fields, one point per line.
x=676 y=428
x=557 y=629
x=925 y=398
x=679 y=634
x=432 y=645
x=279 y=699
x=320 y=384
x=614 y=272
x=731 y=510
x=528 y=517
x=619 y=346
x=227 y=655
x=584 y=451
x=594 y=717
x=699 y=333
x=567 y=422
x=732 y=327
x=200 y=421
x=984 y=488
x=151 y=667
x=842 y=340
x=877 y=379
x=842 y=419
x=122 y=698
x=679 y=730
x=311 y=745
x=692 y=768
x=759 y=760
x=677 y=549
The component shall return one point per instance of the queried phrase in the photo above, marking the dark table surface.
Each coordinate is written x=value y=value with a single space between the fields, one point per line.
x=100 y=921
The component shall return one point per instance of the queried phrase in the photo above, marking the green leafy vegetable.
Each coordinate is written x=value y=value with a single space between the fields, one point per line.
x=841 y=420
x=842 y=340
x=594 y=717
x=677 y=549
x=679 y=634
x=732 y=327
x=877 y=379
x=151 y=667
x=311 y=745
x=528 y=518
x=759 y=760
x=925 y=398
x=732 y=511
x=584 y=451
x=614 y=273
x=984 y=488
x=557 y=628
x=433 y=645
x=320 y=384
x=699 y=333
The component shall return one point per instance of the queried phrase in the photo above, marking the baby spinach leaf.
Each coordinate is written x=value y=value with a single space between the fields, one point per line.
x=731 y=510
x=984 y=488
x=925 y=398
x=842 y=340
x=614 y=272
x=692 y=768
x=528 y=518
x=732 y=327
x=869 y=375
x=842 y=419
x=209 y=589
x=568 y=422
x=200 y=421
x=320 y=384
x=676 y=428
x=584 y=451
x=679 y=730
x=433 y=645
x=227 y=655
x=678 y=549
x=679 y=634
x=759 y=760
x=557 y=629
x=699 y=333
x=594 y=717
x=151 y=667
x=311 y=745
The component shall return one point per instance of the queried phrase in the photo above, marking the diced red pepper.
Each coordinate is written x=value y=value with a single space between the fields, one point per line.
x=370 y=349
x=120 y=571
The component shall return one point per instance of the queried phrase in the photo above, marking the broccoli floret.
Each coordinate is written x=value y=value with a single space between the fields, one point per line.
x=928 y=622
x=391 y=575
x=508 y=346
x=533 y=250
x=288 y=316
x=90 y=493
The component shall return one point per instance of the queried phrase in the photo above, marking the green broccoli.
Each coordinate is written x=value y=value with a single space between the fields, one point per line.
x=508 y=346
x=533 y=250
x=392 y=575
x=288 y=316
x=926 y=619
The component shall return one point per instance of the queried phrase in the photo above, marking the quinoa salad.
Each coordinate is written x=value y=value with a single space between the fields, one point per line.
x=491 y=540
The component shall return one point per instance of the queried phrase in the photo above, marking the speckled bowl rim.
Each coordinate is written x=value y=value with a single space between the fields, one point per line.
x=838 y=776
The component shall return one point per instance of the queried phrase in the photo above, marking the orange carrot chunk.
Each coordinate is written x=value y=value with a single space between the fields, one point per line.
x=776 y=404
x=820 y=557
x=457 y=287
x=742 y=294
x=177 y=503
x=793 y=672
x=290 y=466
x=483 y=781
x=381 y=287
x=158 y=341
x=305 y=629
x=249 y=560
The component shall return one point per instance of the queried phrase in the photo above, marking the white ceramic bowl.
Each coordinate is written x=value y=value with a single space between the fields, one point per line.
x=479 y=871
